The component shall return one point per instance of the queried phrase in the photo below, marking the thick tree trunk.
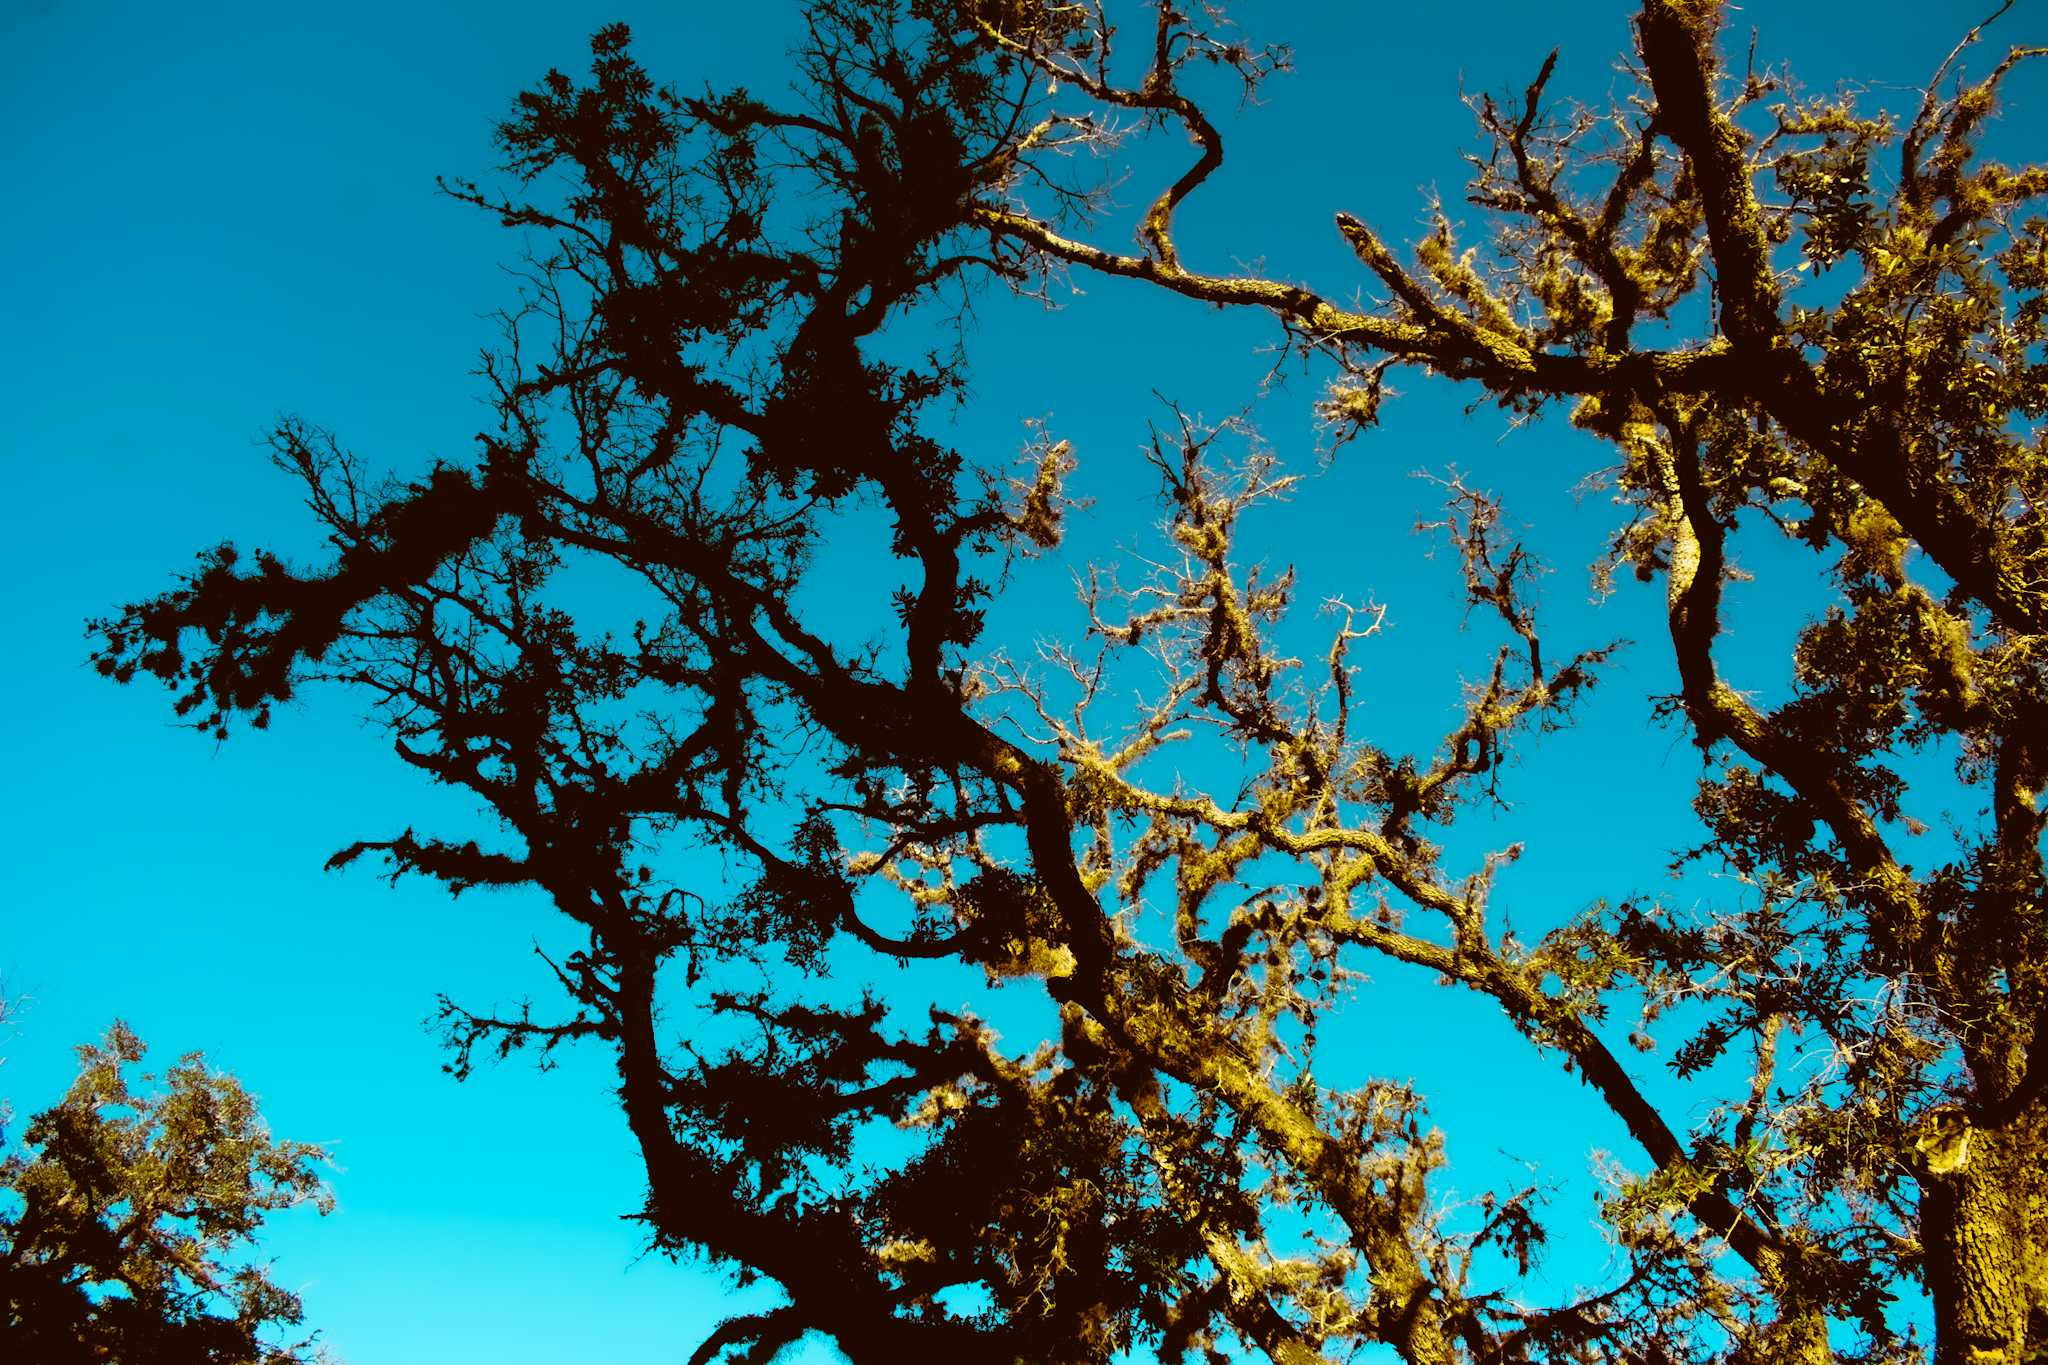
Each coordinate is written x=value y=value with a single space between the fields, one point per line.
x=1983 y=1222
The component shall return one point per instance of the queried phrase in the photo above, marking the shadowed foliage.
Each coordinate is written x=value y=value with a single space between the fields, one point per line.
x=125 y=1215
x=1785 y=316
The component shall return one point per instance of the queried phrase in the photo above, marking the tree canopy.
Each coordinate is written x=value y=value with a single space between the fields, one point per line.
x=1787 y=316
x=126 y=1216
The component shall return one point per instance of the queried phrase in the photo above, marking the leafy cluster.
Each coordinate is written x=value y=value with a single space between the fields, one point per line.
x=127 y=1215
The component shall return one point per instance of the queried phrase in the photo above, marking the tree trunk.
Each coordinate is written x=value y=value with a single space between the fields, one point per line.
x=1983 y=1219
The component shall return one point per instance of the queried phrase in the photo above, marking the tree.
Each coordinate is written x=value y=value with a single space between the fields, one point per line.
x=705 y=377
x=122 y=1232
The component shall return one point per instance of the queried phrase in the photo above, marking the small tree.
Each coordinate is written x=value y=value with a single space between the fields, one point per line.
x=695 y=391
x=125 y=1216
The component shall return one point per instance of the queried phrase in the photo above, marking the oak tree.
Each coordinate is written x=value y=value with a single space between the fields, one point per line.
x=126 y=1216
x=1784 y=315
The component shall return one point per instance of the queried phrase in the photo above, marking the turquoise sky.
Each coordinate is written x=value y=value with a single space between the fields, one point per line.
x=218 y=213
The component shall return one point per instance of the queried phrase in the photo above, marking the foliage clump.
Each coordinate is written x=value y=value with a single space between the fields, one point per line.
x=126 y=1217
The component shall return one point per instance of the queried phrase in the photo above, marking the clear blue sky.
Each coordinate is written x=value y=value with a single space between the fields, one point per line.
x=217 y=213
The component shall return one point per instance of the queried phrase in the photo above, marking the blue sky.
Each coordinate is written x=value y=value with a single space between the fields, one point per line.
x=218 y=213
